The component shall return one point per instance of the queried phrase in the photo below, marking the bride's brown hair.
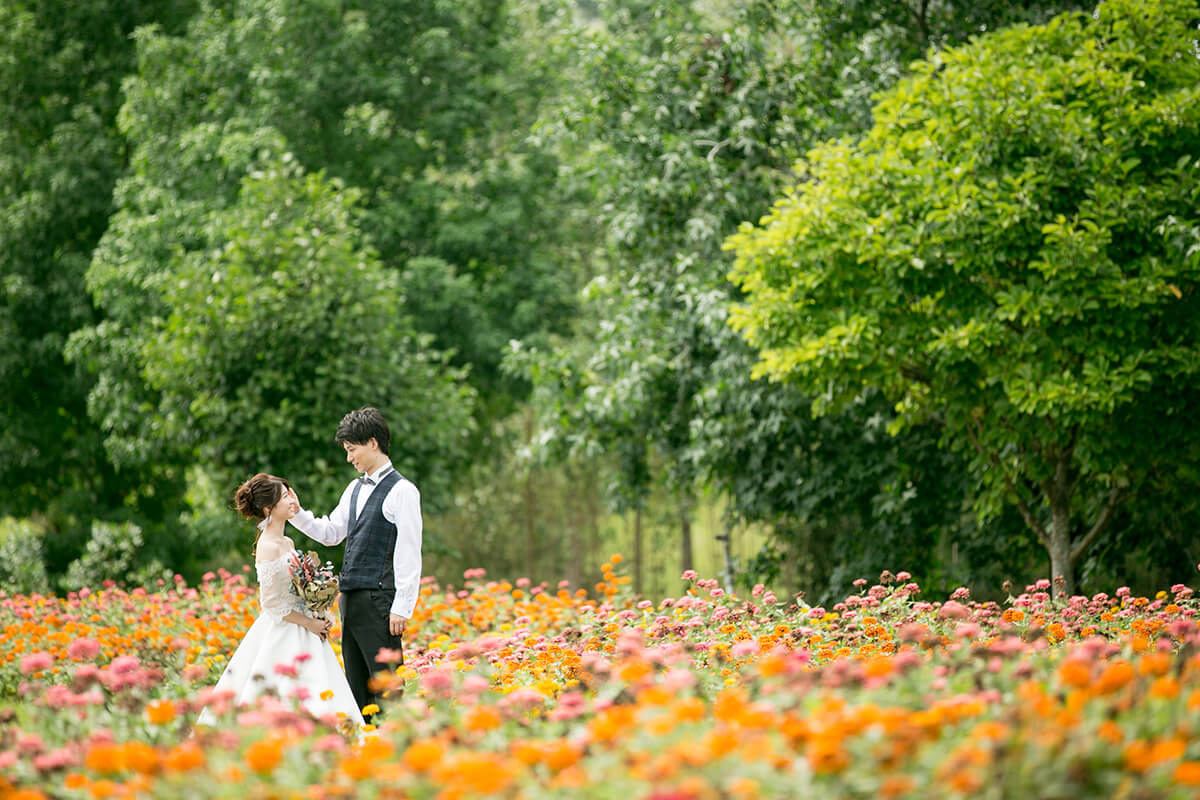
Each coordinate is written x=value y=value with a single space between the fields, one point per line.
x=255 y=496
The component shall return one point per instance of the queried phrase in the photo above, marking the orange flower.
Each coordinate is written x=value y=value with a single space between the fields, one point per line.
x=264 y=755
x=161 y=712
x=878 y=667
x=1188 y=773
x=1110 y=732
x=1075 y=672
x=559 y=755
x=1165 y=688
x=183 y=758
x=475 y=773
x=482 y=718
x=688 y=709
x=25 y=794
x=424 y=754
x=101 y=789
x=895 y=786
x=825 y=755
x=141 y=757
x=357 y=767
x=1114 y=677
x=1154 y=664
x=105 y=758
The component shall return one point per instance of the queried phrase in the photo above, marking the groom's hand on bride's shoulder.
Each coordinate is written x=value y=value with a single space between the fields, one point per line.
x=396 y=624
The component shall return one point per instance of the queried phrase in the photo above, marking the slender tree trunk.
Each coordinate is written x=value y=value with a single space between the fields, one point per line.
x=530 y=503
x=1062 y=568
x=637 y=551
x=726 y=539
x=685 y=531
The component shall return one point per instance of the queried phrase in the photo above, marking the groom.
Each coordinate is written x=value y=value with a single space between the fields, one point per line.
x=379 y=518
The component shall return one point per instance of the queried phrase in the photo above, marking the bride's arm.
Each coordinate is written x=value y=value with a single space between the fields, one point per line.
x=318 y=626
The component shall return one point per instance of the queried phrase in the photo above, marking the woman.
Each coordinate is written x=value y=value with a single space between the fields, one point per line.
x=286 y=649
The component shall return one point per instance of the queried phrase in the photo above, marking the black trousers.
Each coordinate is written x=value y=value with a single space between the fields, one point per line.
x=365 y=632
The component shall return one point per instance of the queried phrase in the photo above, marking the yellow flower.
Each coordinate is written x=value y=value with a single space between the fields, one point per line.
x=370 y=709
x=327 y=694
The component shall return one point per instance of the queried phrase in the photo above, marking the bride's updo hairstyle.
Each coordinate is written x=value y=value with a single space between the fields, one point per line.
x=254 y=497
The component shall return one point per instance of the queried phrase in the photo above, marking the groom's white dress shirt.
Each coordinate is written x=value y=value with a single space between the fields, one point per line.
x=402 y=508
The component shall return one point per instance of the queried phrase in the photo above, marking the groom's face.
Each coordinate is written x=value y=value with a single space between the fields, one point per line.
x=362 y=456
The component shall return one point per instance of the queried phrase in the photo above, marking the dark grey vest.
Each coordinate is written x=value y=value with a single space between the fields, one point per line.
x=370 y=542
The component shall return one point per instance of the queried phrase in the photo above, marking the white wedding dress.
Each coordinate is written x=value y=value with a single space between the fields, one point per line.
x=304 y=660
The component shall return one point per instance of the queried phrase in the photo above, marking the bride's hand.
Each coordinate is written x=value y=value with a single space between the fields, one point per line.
x=320 y=627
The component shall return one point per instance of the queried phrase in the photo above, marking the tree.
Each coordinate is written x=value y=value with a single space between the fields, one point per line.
x=1011 y=250
x=685 y=121
x=404 y=104
x=61 y=67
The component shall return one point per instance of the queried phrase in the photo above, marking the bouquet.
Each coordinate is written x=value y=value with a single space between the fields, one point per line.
x=316 y=584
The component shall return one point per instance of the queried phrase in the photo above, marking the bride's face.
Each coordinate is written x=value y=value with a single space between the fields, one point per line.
x=287 y=506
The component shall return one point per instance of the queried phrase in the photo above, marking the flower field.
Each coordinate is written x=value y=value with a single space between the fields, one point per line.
x=531 y=691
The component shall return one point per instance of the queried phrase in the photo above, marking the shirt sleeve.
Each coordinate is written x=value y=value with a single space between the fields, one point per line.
x=328 y=530
x=402 y=508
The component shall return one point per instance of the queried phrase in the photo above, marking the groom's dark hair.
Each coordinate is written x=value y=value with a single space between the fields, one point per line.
x=359 y=427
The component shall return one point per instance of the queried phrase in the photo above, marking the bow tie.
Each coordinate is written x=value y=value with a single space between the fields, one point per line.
x=367 y=480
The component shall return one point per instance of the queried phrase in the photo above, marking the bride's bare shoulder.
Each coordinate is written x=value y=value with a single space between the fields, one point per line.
x=269 y=550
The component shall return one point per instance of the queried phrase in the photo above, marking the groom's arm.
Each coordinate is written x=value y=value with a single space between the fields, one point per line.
x=328 y=530
x=403 y=509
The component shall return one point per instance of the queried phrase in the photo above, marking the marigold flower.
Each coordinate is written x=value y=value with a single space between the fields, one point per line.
x=184 y=758
x=161 y=712
x=264 y=755
x=105 y=758
x=1188 y=773
x=424 y=754
x=482 y=718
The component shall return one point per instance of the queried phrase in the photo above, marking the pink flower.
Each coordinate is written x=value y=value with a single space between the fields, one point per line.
x=122 y=665
x=860 y=581
x=36 y=662
x=744 y=648
x=816 y=613
x=967 y=630
x=288 y=670
x=474 y=684
x=523 y=698
x=757 y=590
x=194 y=672
x=437 y=681
x=388 y=656
x=688 y=575
x=83 y=650
x=903 y=576
x=952 y=609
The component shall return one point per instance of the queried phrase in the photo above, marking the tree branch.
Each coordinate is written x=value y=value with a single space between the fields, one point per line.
x=1026 y=513
x=1114 y=500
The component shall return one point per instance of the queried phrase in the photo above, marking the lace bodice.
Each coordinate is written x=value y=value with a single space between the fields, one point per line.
x=275 y=588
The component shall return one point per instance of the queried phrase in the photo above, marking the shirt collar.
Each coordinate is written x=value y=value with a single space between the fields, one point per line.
x=377 y=474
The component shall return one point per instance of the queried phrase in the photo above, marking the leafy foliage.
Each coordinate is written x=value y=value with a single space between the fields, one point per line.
x=1012 y=250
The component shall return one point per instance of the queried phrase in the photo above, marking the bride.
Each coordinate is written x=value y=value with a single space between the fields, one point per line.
x=286 y=650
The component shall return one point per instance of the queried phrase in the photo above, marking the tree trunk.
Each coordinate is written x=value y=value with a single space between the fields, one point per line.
x=685 y=531
x=726 y=538
x=1062 y=567
x=637 y=551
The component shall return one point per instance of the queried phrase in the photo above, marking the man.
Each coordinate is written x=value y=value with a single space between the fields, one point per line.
x=379 y=518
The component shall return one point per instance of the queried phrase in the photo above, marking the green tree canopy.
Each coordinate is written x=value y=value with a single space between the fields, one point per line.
x=1014 y=250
